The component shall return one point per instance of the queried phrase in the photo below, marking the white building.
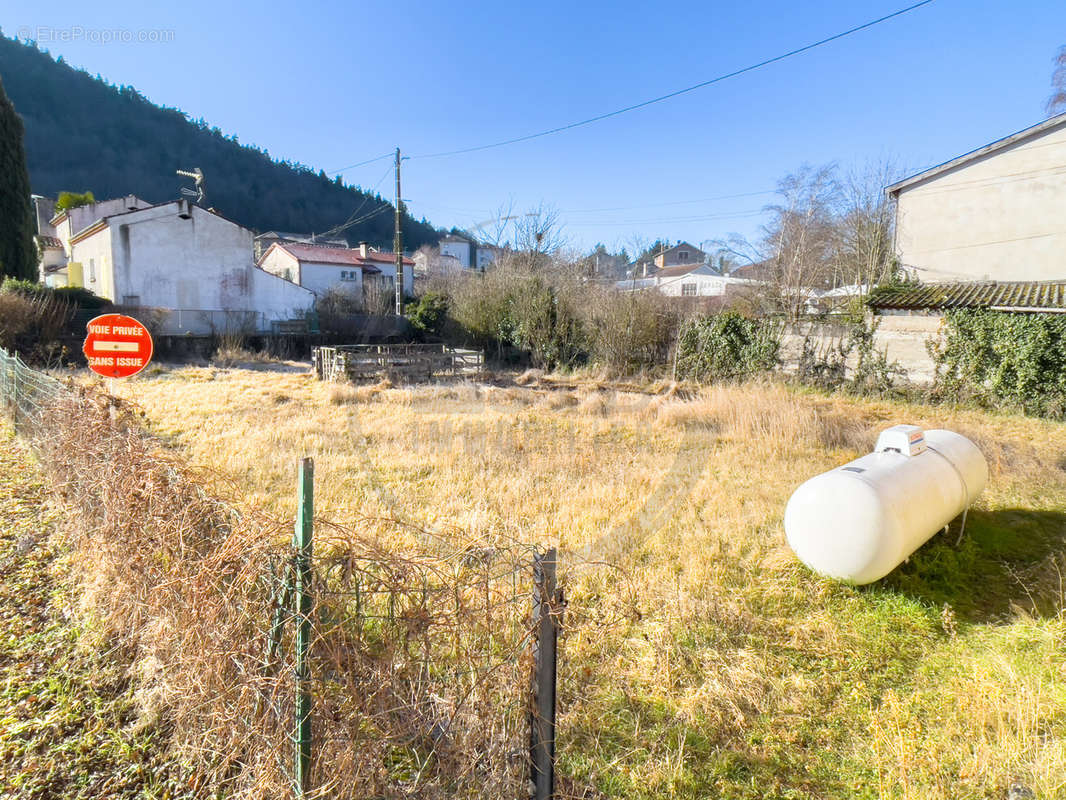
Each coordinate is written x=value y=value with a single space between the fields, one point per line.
x=997 y=213
x=692 y=280
x=470 y=253
x=322 y=269
x=191 y=266
x=430 y=262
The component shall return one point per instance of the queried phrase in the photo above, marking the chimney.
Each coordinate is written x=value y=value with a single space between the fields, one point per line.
x=363 y=249
x=131 y=203
x=184 y=208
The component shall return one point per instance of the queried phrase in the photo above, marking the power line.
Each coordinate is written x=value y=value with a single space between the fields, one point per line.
x=671 y=203
x=370 y=161
x=686 y=90
x=366 y=198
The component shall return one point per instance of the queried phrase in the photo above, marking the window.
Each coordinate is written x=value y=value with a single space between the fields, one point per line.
x=131 y=299
x=92 y=270
x=347 y=275
x=688 y=290
x=682 y=256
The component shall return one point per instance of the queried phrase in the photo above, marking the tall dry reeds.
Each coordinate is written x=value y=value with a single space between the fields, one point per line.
x=419 y=660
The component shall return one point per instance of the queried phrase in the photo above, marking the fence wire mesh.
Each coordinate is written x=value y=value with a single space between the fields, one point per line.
x=420 y=662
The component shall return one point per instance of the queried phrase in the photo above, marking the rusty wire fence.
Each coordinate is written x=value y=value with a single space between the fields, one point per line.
x=333 y=666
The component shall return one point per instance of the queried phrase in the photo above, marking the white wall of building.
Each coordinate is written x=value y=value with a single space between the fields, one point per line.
x=1001 y=216
x=457 y=249
x=282 y=263
x=320 y=278
x=95 y=259
x=200 y=266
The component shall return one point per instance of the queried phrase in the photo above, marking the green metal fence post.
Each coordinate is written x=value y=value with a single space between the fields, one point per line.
x=302 y=547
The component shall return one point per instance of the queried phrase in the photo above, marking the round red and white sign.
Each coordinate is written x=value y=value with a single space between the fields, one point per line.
x=117 y=346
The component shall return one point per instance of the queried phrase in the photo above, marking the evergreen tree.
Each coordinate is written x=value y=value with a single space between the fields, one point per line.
x=83 y=132
x=18 y=256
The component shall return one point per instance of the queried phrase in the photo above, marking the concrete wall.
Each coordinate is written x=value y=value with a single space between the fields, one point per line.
x=94 y=255
x=277 y=298
x=999 y=217
x=901 y=337
x=281 y=263
x=203 y=262
x=459 y=250
x=320 y=278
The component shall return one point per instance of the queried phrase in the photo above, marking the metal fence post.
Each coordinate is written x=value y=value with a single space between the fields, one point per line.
x=547 y=611
x=303 y=550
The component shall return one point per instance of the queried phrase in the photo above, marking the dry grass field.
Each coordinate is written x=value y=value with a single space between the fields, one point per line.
x=699 y=657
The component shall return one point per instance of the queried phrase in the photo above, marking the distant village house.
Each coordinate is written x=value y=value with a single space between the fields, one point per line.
x=323 y=269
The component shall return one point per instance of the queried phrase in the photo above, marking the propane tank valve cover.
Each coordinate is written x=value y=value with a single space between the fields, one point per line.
x=907 y=440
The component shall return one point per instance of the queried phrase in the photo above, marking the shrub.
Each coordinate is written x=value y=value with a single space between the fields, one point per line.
x=1003 y=360
x=632 y=331
x=33 y=324
x=69 y=200
x=827 y=367
x=726 y=346
x=514 y=305
x=427 y=314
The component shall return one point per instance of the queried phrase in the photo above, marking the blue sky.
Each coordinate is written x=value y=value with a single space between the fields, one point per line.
x=333 y=83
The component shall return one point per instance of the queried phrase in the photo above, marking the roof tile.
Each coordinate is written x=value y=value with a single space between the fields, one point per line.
x=1033 y=295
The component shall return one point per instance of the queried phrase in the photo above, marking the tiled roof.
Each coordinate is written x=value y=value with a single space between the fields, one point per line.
x=49 y=243
x=323 y=254
x=386 y=258
x=1013 y=295
x=680 y=269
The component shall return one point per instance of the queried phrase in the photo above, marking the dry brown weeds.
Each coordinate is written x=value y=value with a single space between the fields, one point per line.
x=419 y=660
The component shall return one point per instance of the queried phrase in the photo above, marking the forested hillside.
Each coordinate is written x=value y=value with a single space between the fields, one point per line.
x=84 y=134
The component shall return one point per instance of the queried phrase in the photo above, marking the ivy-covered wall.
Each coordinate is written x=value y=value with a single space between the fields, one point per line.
x=1013 y=361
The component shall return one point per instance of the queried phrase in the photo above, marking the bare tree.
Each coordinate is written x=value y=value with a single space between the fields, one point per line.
x=797 y=250
x=1056 y=104
x=539 y=235
x=494 y=232
x=864 y=256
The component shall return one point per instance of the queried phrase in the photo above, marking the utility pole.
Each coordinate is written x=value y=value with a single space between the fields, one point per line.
x=398 y=243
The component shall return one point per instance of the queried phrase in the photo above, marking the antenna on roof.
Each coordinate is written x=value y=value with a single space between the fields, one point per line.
x=201 y=189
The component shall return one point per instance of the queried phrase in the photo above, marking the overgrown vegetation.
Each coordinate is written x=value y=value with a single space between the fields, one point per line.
x=428 y=313
x=699 y=659
x=34 y=319
x=557 y=320
x=68 y=200
x=419 y=658
x=1003 y=360
x=850 y=361
x=727 y=347
x=70 y=727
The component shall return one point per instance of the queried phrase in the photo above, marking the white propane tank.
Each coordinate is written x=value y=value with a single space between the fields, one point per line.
x=860 y=521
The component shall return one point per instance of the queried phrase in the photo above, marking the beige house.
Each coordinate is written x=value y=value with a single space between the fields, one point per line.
x=681 y=254
x=995 y=214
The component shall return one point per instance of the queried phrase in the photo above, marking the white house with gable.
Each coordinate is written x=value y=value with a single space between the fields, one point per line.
x=692 y=280
x=322 y=269
x=189 y=264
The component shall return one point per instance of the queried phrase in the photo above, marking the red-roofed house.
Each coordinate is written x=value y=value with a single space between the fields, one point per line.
x=322 y=269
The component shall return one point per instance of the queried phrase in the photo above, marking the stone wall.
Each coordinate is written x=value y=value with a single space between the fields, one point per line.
x=902 y=337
